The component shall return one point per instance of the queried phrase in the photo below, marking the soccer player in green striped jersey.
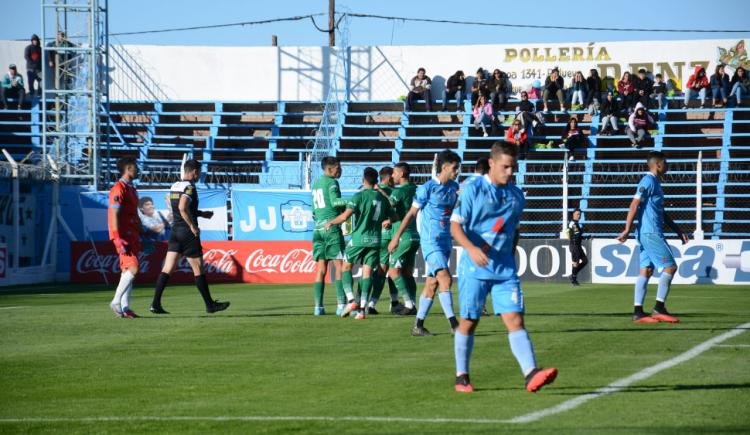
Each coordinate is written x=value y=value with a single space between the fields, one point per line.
x=328 y=243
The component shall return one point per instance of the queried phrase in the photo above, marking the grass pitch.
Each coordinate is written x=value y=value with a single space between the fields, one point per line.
x=68 y=365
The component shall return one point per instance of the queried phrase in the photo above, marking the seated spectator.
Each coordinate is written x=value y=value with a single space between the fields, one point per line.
x=594 y=91
x=419 y=87
x=12 y=87
x=720 y=86
x=479 y=87
x=639 y=123
x=697 y=84
x=659 y=91
x=740 y=84
x=610 y=110
x=554 y=84
x=527 y=114
x=500 y=87
x=535 y=91
x=154 y=224
x=578 y=88
x=643 y=88
x=516 y=135
x=455 y=88
x=573 y=138
x=33 y=55
x=483 y=114
x=625 y=89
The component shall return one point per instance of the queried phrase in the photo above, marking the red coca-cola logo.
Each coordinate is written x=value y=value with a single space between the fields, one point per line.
x=297 y=260
x=215 y=261
x=91 y=261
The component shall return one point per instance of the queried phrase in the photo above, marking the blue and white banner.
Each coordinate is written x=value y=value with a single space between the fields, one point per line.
x=94 y=211
x=272 y=215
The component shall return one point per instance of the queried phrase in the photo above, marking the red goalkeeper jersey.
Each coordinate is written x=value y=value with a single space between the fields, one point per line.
x=123 y=198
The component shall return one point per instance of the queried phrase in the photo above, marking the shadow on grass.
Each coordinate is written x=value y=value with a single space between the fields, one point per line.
x=656 y=388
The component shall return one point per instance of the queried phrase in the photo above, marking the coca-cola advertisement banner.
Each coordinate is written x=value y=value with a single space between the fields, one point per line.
x=252 y=262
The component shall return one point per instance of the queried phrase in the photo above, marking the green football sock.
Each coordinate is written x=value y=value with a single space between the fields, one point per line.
x=319 y=287
x=348 y=283
x=392 y=290
x=402 y=287
x=411 y=285
x=366 y=286
x=340 y=295
x=378 y=282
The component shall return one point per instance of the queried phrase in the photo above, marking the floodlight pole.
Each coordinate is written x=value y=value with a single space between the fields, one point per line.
x=331 y=23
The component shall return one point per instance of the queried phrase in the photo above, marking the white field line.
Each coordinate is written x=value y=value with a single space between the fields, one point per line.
x=10 y=308
x=614 y=387
x=732 y=345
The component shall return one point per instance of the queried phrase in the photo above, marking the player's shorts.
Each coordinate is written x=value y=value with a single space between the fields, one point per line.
x=183 y=241
x=507 y=296
x=436 y=258
x=384 y=255
x=654 y=251
x=130 y=257
x=364 y=255
x=405 y=254
x=328 y=245
x=577 y=254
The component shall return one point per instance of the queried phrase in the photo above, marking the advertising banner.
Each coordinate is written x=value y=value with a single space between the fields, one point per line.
x=272 y=215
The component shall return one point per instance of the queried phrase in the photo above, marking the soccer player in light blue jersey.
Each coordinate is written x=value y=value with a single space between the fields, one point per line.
x=434 y=201
x=485 y=222
x=647 y=207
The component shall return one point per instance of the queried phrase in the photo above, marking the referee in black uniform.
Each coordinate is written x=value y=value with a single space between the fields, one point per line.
x=185 y=239
x=575 y=235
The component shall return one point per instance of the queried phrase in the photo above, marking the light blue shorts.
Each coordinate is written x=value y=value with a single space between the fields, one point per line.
x=507 y=296
x=654 y=251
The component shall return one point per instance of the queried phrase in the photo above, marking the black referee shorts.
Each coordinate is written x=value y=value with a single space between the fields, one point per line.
x=183 y=241
x=577 y=254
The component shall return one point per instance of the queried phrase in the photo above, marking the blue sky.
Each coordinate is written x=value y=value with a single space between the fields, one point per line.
x=22 y=18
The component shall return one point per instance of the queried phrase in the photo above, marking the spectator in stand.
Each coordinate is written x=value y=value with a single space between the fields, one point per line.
x=625 y=89
x=720 y=86
x=154 y=224
x=479 y=87
x=535 y=91
x=527 y=114
x=500 y=88
x=419 y=87
x=578 y=88
x=609 y=111
x=697 y=84
x=594 y=83
x=33 y=56
x=516 y=135
x=483 y=115
x=61 y=63
x=12 y=87
x=638 y=124
x=573 y=138
x=660 y=91
x=643 y=87
x=553 y=85
x=455 y=88
x=740 y=84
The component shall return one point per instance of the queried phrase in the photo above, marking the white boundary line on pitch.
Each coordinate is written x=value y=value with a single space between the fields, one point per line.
x=614 y=387
x=9 y=308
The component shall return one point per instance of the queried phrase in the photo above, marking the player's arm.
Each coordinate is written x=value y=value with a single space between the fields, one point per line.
x=673 y=225
x=340 y=219
x=335 y=194
x=205 y=214
x=411 y=214
x=632 y=211
x=121 y=245
x=478 y=255
x=183 y=208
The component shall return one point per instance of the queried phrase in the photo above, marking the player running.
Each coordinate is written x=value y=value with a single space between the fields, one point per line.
x=125 y=233
x=185 y=239
x=485 y=222
x=381 y=276
x=648 y=207
x=575 y=236
x=328 y=244
x=435 y=199
x=370 y=209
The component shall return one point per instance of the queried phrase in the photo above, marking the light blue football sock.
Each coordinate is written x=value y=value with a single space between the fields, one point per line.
x=446 y=301
x=424 y=307
x=463 y=345
x=523 y=350
x=641 y=286
x=662 y=290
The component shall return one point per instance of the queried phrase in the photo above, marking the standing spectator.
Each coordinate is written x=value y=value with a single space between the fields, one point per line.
x=154 y=224
x=660 y=91
x=419 y=87
x=479 y=87
x=500 y=88
x=33 y=56
x=740 y=84
x=554 y=84
x=638 y=124
x=61 y=63
x=643 y=87
x=625 y=89
x=483 y=115
x=578 y=87
x=573 y=137
x=697 y=84
x=610 y=111
x=455 y=87
x=594 y=83
x=720 y=86
x=516 y=135
x=12 y=87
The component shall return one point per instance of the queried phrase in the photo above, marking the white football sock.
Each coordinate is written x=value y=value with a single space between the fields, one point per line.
x=126 y=283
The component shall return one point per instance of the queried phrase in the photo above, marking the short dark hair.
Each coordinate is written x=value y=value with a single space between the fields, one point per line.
x=658 y=75
x=500 y=148
x=385 y=171
x=329 y=161
x=192 y=165
x=655 y=155
x=144 y=200
x=482 y=166
x=124 y=162
x=421 y=69
x=447 y=156
x=405 y=168
x=371 y=176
